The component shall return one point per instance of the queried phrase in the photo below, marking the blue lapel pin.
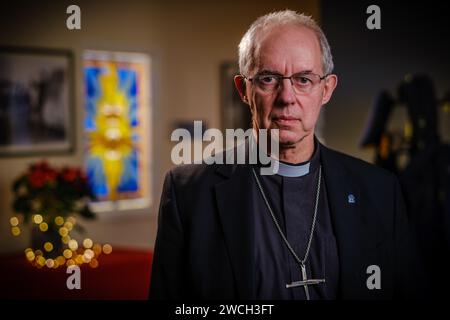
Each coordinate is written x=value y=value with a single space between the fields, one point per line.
x=351 y=198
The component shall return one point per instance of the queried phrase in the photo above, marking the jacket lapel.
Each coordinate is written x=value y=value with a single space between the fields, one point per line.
x=357 y=231
x=234 y=203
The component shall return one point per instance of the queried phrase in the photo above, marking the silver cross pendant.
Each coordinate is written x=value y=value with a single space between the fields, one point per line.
x=305 y=282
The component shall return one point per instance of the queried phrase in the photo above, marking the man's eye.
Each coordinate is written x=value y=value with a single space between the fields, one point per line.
x=302 y=80
x=268 y=79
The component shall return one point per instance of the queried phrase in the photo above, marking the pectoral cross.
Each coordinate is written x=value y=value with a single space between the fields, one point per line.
x=305 y=282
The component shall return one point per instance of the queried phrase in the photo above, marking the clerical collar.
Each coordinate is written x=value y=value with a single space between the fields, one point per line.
x=300 y=169
x=289 y=170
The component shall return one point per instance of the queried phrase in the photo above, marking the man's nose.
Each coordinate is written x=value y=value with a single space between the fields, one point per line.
x=286 y=94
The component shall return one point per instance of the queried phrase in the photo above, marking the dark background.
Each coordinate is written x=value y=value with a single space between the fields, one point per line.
x=414 y=38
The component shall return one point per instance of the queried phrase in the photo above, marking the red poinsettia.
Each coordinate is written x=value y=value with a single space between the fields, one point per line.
x=70 y=174
x=40 y=174
x=52 y=192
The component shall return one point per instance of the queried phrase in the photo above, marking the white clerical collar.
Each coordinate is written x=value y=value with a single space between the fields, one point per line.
x=287 y=170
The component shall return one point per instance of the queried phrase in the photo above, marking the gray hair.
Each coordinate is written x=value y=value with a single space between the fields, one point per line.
x=248 y=45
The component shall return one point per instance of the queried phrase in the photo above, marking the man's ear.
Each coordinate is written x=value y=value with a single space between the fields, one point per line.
x=330 y=84
x=239 y=83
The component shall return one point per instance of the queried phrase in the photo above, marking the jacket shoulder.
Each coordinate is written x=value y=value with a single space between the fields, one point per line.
x=356 y=165
x=192 y=174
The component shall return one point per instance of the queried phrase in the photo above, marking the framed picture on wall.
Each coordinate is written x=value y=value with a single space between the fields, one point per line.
x=36 y=105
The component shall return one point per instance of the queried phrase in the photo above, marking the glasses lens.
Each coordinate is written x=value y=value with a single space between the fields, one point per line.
x=305 y=82
x=267 y=82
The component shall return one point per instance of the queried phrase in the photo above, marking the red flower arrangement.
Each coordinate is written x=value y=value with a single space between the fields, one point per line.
x=52 y=192
x=50 y=197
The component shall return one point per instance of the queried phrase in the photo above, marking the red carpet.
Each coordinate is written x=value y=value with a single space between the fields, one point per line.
x=123 y=274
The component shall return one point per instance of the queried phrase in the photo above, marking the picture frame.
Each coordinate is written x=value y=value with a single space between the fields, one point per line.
x=36 y=101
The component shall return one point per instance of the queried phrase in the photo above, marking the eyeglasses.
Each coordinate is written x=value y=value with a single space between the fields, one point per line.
x=302 y=82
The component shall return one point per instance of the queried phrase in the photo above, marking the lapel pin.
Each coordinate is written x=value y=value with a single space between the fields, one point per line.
x=351 y=198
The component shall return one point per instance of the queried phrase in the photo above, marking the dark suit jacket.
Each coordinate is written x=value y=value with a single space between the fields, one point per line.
x=204 y=245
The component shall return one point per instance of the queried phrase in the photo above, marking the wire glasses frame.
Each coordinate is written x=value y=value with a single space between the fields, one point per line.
x=301 y=82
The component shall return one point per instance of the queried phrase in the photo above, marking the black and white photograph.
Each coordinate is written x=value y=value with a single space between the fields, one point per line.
x=34 y=101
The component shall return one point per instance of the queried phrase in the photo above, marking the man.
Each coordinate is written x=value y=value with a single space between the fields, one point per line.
x=325 y=226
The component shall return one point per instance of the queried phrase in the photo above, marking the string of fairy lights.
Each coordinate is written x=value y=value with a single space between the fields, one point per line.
x=71 y=253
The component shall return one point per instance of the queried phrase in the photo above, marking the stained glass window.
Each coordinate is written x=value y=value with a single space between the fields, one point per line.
x=116 y=124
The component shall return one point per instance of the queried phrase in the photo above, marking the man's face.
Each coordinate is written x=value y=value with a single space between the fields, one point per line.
x=285 y=51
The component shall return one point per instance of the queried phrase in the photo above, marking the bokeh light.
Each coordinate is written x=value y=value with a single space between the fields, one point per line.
x=72 y=253
x=37 y=218
x=43 y=226
x=40 y=261
x=63 y=231
x=97 y=248
x=48 y=246
x=50 y=263
x=67 y=253
x=107 y=248
x=89 y=253
x=87 y=243
x=15 y=231
x=14 y=221
x=72 y=220
x=30 y=255
x=73 y=244
x=61 y=260
x=59 y=221
x=93 y=263
x=79 y=259
x=68 y=226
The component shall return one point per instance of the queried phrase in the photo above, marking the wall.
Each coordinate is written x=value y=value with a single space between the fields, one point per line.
x=187 y=41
